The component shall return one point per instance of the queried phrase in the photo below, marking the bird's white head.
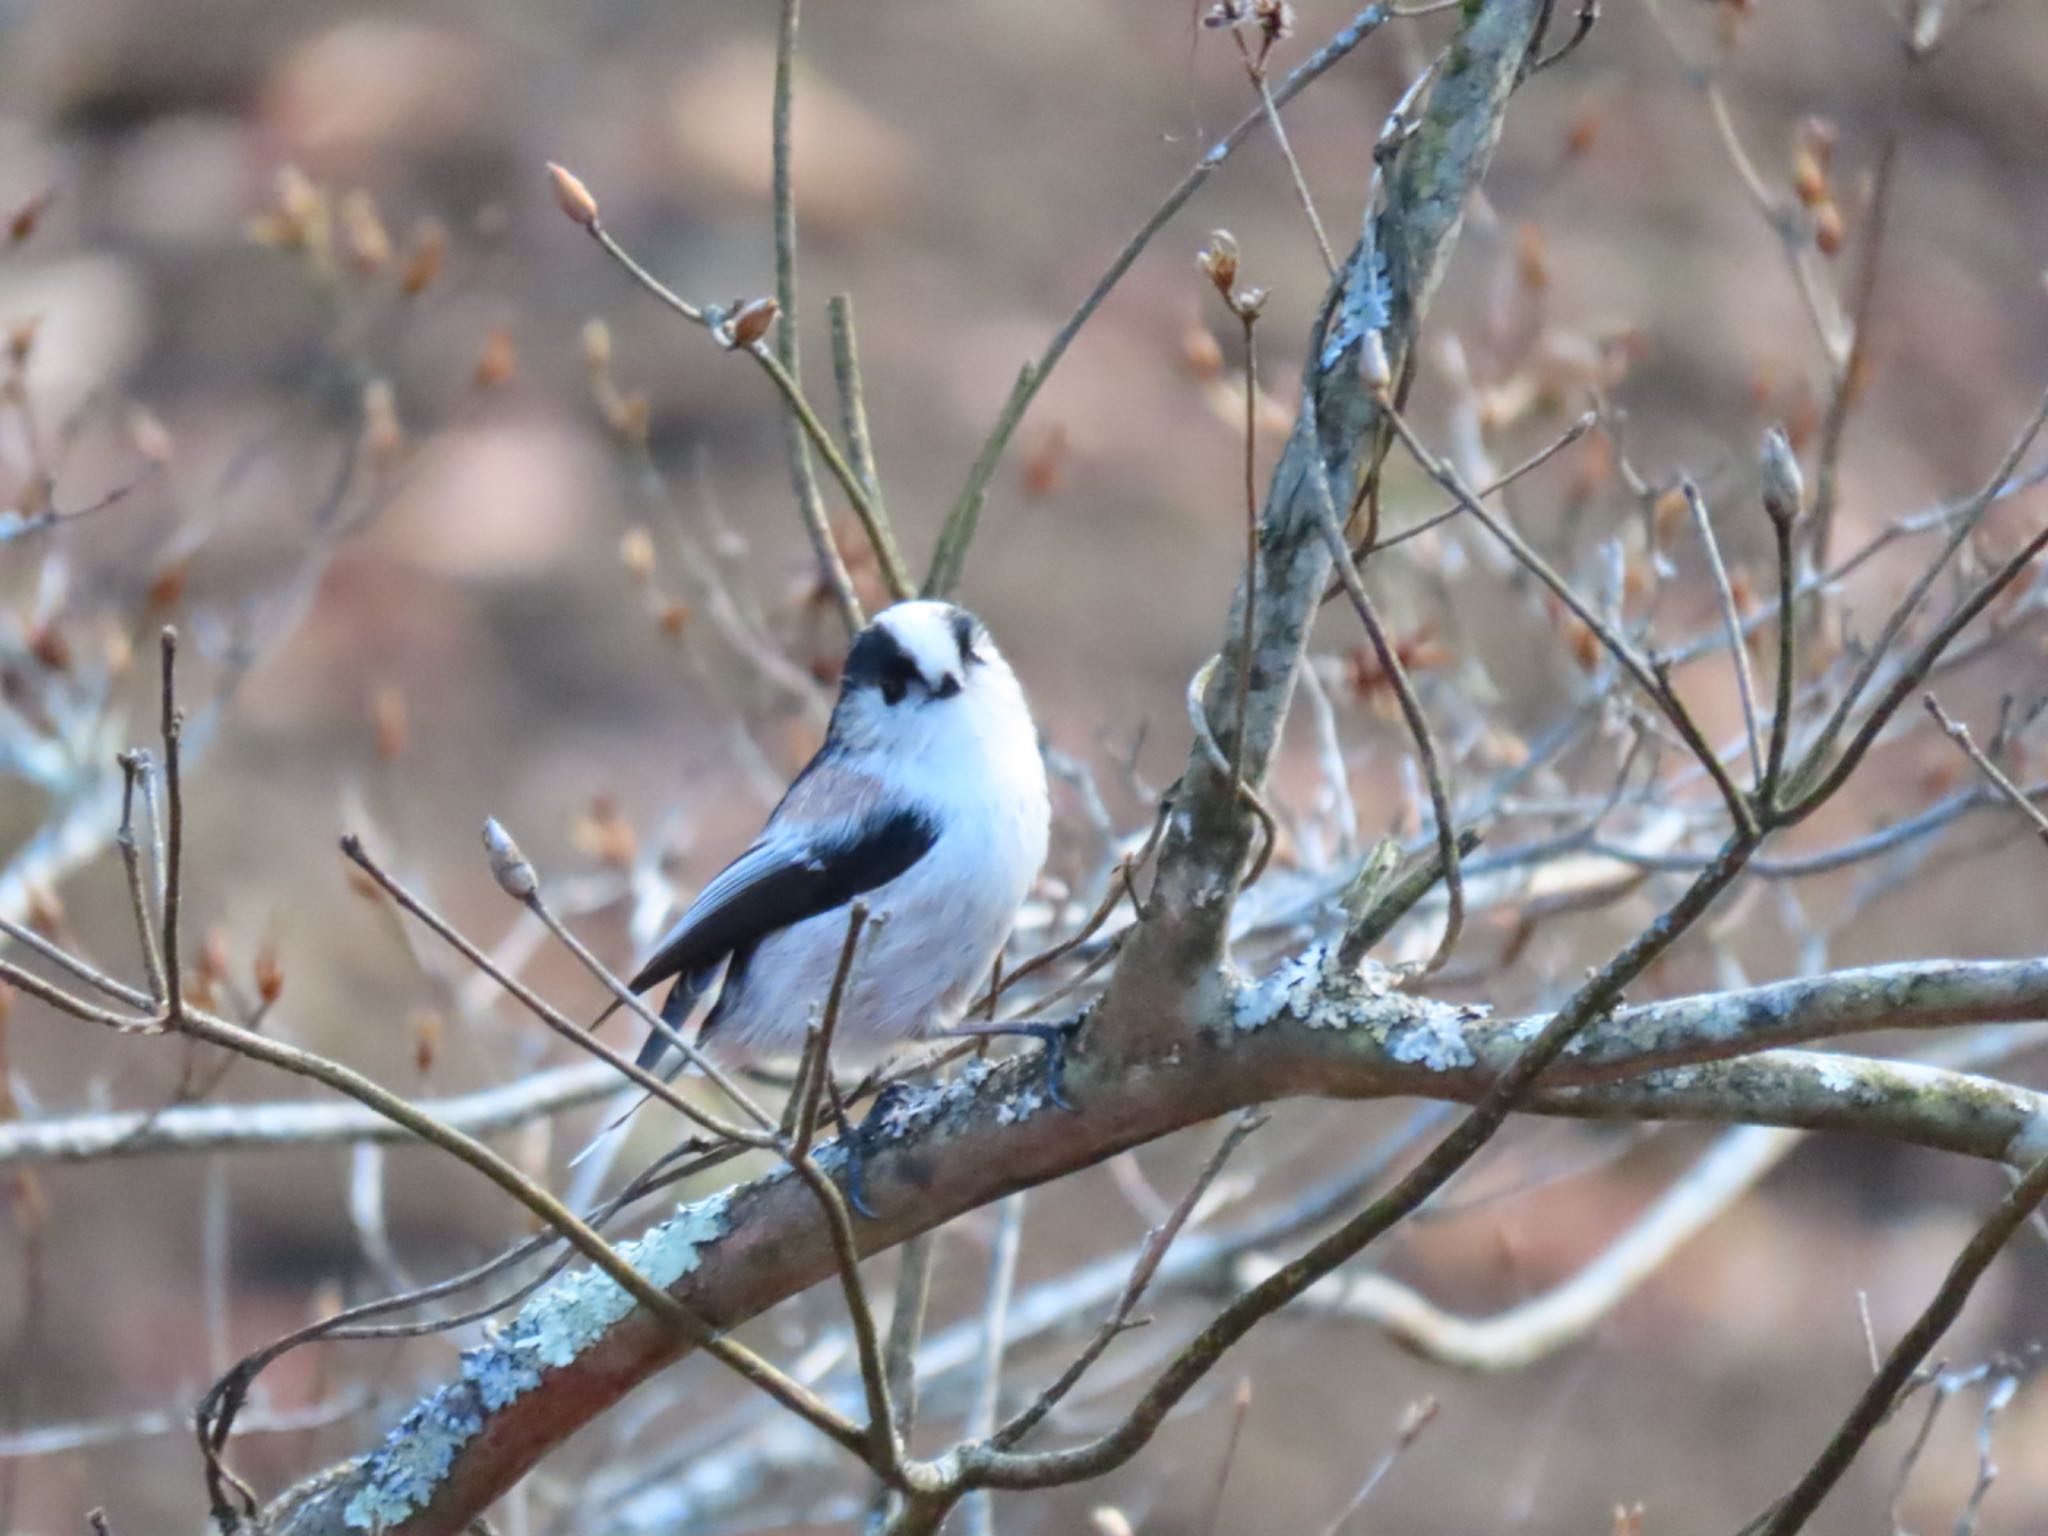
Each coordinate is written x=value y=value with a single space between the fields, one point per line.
x=925 y=685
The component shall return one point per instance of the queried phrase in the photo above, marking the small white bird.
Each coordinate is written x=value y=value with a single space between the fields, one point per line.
x=928 y=802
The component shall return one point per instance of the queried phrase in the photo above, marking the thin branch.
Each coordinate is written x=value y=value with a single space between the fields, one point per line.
x=995 y=1314
x=1745 y=681
x=292 y=1123
x=1909 y=677
x=172 y=725
x=621 y=993
x=2010 y=792
x=1418 y=729
x=1648 y=675
x=802 y=425
x=1255 y=70
x=582 y=1039
x=949 y=557
x=831 y=566
x=1968 y=517
x=135 y=766
x=1539 y=1327
x=860 y=447
x=1151 y=1253
x=1792 y=1512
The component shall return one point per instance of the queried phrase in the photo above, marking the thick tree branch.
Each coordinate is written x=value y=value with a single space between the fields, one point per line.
x=1303 y=1030
x=1373 y=309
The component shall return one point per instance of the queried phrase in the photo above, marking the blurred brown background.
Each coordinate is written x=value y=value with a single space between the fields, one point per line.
x=965 y=170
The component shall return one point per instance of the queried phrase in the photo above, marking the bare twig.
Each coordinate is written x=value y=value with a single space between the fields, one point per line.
x=995 y=1314
x=1648 y=675
x=1792 y=1512
x=949 y=557
x=2010 y=792
x=831 y=567
x=860 y=447
x=1418 y=729
x=1745 y=681
x=135 y=766
x=582 y=1039
x=1151 y=1253
x=172 y=724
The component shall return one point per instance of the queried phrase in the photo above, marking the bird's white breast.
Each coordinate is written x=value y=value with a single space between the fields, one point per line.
x=933 y=933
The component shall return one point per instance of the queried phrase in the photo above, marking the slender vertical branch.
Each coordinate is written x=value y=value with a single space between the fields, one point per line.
x=899 y=1351
x=860 y=447
x=804 y=479
x=995 y=1316
x=1418 y=728
x=1248 y=316
x=172 y=726
x=134 y=766
x=1745 y=681
x=1784 y=537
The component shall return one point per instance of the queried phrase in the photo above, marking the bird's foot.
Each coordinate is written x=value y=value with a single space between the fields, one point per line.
x=858 y=1142
x=1053 y=1039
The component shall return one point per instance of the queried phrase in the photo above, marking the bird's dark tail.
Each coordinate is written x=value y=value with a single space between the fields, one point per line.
x=675 y=1012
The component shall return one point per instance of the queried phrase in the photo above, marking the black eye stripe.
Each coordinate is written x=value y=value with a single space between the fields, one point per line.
x=876 y=656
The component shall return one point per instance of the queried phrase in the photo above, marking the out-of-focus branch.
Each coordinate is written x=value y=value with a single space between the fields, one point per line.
x=1539 y=1327
x=189 y=1128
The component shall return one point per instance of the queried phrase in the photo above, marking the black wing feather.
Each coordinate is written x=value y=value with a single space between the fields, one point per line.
x=780 y=882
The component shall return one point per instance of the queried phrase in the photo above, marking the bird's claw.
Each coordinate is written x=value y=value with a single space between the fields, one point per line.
x=857 y=1139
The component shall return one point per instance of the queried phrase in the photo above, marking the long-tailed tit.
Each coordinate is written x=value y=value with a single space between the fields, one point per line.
x=928 y=802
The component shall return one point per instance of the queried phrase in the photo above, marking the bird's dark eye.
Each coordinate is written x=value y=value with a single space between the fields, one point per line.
x=893 y=688
x=948 y=686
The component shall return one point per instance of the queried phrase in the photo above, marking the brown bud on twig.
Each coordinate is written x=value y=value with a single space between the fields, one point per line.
x=1809 y=181
x=1219 y=261
x=1202 y=354
x=388 y=722
x=1276 y=20
x=21 y=339
x=369 y=244
x=597 y=346
x=151 y=437
x=426 y=1039
x=498 y=363
x=1784 y=486
x=383 y=433
x=750 y=322
x=636 y=553
x=1828 y=229
x=268 y=974
x=23 y=221
x=423 y=259
x=509 y=868
x=573 y=197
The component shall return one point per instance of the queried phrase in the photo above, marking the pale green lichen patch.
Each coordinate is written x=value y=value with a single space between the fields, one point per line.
x=1436 y=1040
x=1312 y=990
x=553 y=1329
